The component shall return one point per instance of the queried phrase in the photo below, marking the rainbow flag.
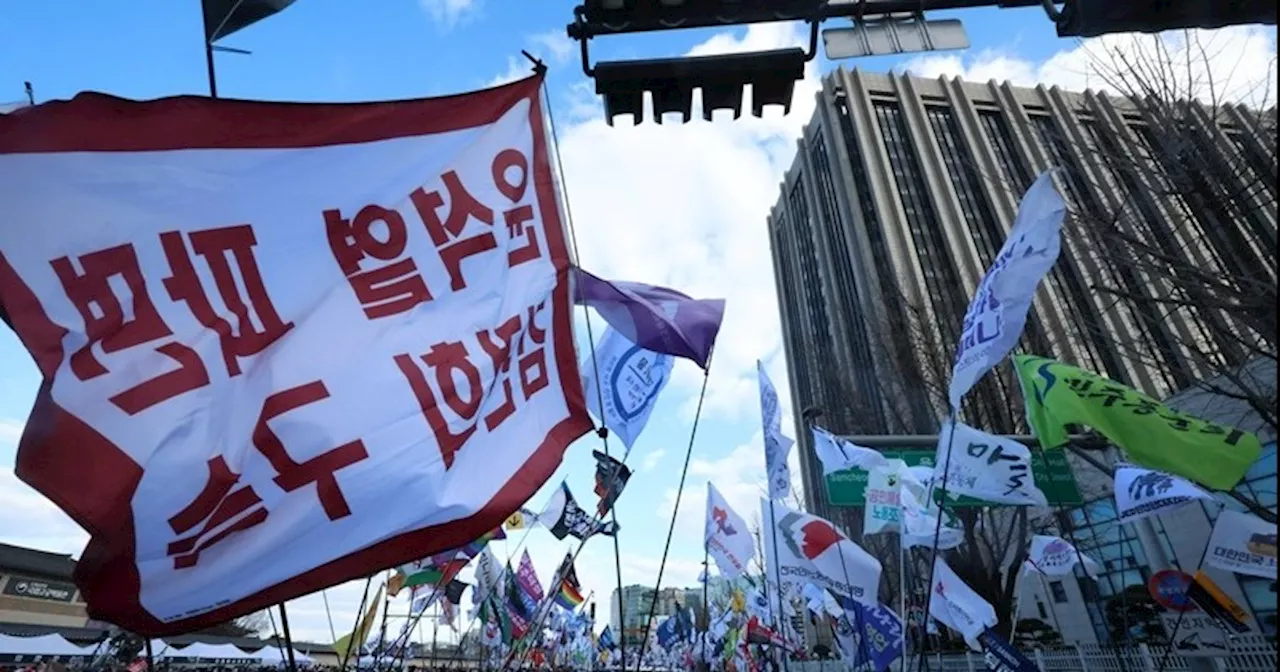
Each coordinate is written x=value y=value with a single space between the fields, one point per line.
x=570 y=594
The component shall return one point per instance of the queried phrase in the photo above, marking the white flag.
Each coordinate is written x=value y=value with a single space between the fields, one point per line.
x=1243 y=543
x=883 y=500
x=956 y=605
x=1142 y=492
x=776 y=446
x=629 y=378
x=1054 y=556
x=728 y=540
x=919 y=525
x=985 y=466
x=993 y=323
x=813 y=550
x=836 y=454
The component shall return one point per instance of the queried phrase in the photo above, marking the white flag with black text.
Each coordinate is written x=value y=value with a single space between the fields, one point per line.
x=986 y=466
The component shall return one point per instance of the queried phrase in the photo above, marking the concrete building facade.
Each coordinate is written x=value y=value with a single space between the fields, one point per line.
x=900 y=195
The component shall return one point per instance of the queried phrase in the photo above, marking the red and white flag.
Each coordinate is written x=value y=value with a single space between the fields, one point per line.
x=811 y=549
x=283 y=345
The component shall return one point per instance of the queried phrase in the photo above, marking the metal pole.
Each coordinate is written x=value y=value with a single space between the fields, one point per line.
x=705 y=660
x=288 y=640
x=777 y=574
x=208 y=57
x=151 y=661
x=902 y=587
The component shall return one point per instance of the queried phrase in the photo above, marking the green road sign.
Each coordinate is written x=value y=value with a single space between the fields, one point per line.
x=1055 y=480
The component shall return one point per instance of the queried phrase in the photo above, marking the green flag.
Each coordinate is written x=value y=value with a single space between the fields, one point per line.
x=1154 y=435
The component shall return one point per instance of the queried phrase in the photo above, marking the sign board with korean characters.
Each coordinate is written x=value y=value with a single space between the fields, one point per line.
x=1050 y=469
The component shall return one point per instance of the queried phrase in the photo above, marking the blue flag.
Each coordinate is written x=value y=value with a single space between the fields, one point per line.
x=605 y=640
x=667 y=633
x=1000 y=655
x=879 y=630
x=630 y=379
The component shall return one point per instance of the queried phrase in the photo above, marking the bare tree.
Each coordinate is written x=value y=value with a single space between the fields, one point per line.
x=1176 y=197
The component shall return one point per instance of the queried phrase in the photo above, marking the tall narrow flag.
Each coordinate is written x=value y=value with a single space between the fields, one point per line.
x=776 y=446
x=1151 y=433
x=727 y=538
x=654 y=318
x=621 y=383
x=342 y=647
x=996 y=315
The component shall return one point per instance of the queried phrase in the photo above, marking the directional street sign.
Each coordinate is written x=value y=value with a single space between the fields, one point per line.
x=1054 y=478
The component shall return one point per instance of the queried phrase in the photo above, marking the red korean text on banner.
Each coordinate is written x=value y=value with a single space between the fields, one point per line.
x=284 y=345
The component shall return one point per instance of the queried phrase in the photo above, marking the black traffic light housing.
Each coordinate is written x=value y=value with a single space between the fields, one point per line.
x=772 y=74
x=1092 y=18
x=671 y=81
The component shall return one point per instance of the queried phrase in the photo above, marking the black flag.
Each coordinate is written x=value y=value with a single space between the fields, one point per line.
x=611 y=476
x=223 y=17
x=453 y=591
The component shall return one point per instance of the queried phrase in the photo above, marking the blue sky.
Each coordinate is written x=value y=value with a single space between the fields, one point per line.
x=682 y=206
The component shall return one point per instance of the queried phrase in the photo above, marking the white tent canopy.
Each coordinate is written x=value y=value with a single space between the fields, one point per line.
x=273 y=655
x=44 y=645
x=202 y=651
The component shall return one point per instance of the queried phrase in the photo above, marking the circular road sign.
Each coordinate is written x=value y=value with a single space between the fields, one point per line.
x=1168 y=587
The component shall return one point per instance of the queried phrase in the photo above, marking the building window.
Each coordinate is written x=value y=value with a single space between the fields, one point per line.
x=811 y=287
x=1260 y=593
x=865 y=404
x=1123 y=566
x=923 y=418
x=1040 y=608
x=1059 y=592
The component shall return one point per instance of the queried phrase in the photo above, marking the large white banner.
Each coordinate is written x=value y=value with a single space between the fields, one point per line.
x=283 y=345
x=996 y=315
x=1243 y=543
x=985 y=466
x=1142 y=492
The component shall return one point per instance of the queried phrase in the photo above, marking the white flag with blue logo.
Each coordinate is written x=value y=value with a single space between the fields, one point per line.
x=998 y=312
x=776 y=446
x=628 y=383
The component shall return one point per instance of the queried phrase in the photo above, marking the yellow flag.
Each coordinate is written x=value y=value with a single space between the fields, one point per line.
x=361 y=632
x=515 y=521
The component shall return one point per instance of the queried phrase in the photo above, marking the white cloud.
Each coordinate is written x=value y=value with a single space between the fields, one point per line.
x=10 y=432
x=448 y=13
x=684 y=206
x=517 y=68
x=1228 y=64
x=553 y=45
x=651 y=459
x=28 y=519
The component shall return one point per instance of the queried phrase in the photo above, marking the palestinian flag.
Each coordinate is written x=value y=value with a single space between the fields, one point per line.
x=570 y=594
x=442 y=567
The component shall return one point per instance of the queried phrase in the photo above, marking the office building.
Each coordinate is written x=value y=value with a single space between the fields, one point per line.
x=900 y=195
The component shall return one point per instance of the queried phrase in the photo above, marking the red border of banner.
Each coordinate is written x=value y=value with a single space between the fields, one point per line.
x=81 y=470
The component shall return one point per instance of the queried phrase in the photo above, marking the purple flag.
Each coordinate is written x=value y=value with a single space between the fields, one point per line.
x=655 y=318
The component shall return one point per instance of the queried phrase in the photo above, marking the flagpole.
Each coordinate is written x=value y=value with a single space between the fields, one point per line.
x=355 y=628
x=902 y=585
x=706 y=610
x=777 y=575
x=288 y=639
x=937 y=528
